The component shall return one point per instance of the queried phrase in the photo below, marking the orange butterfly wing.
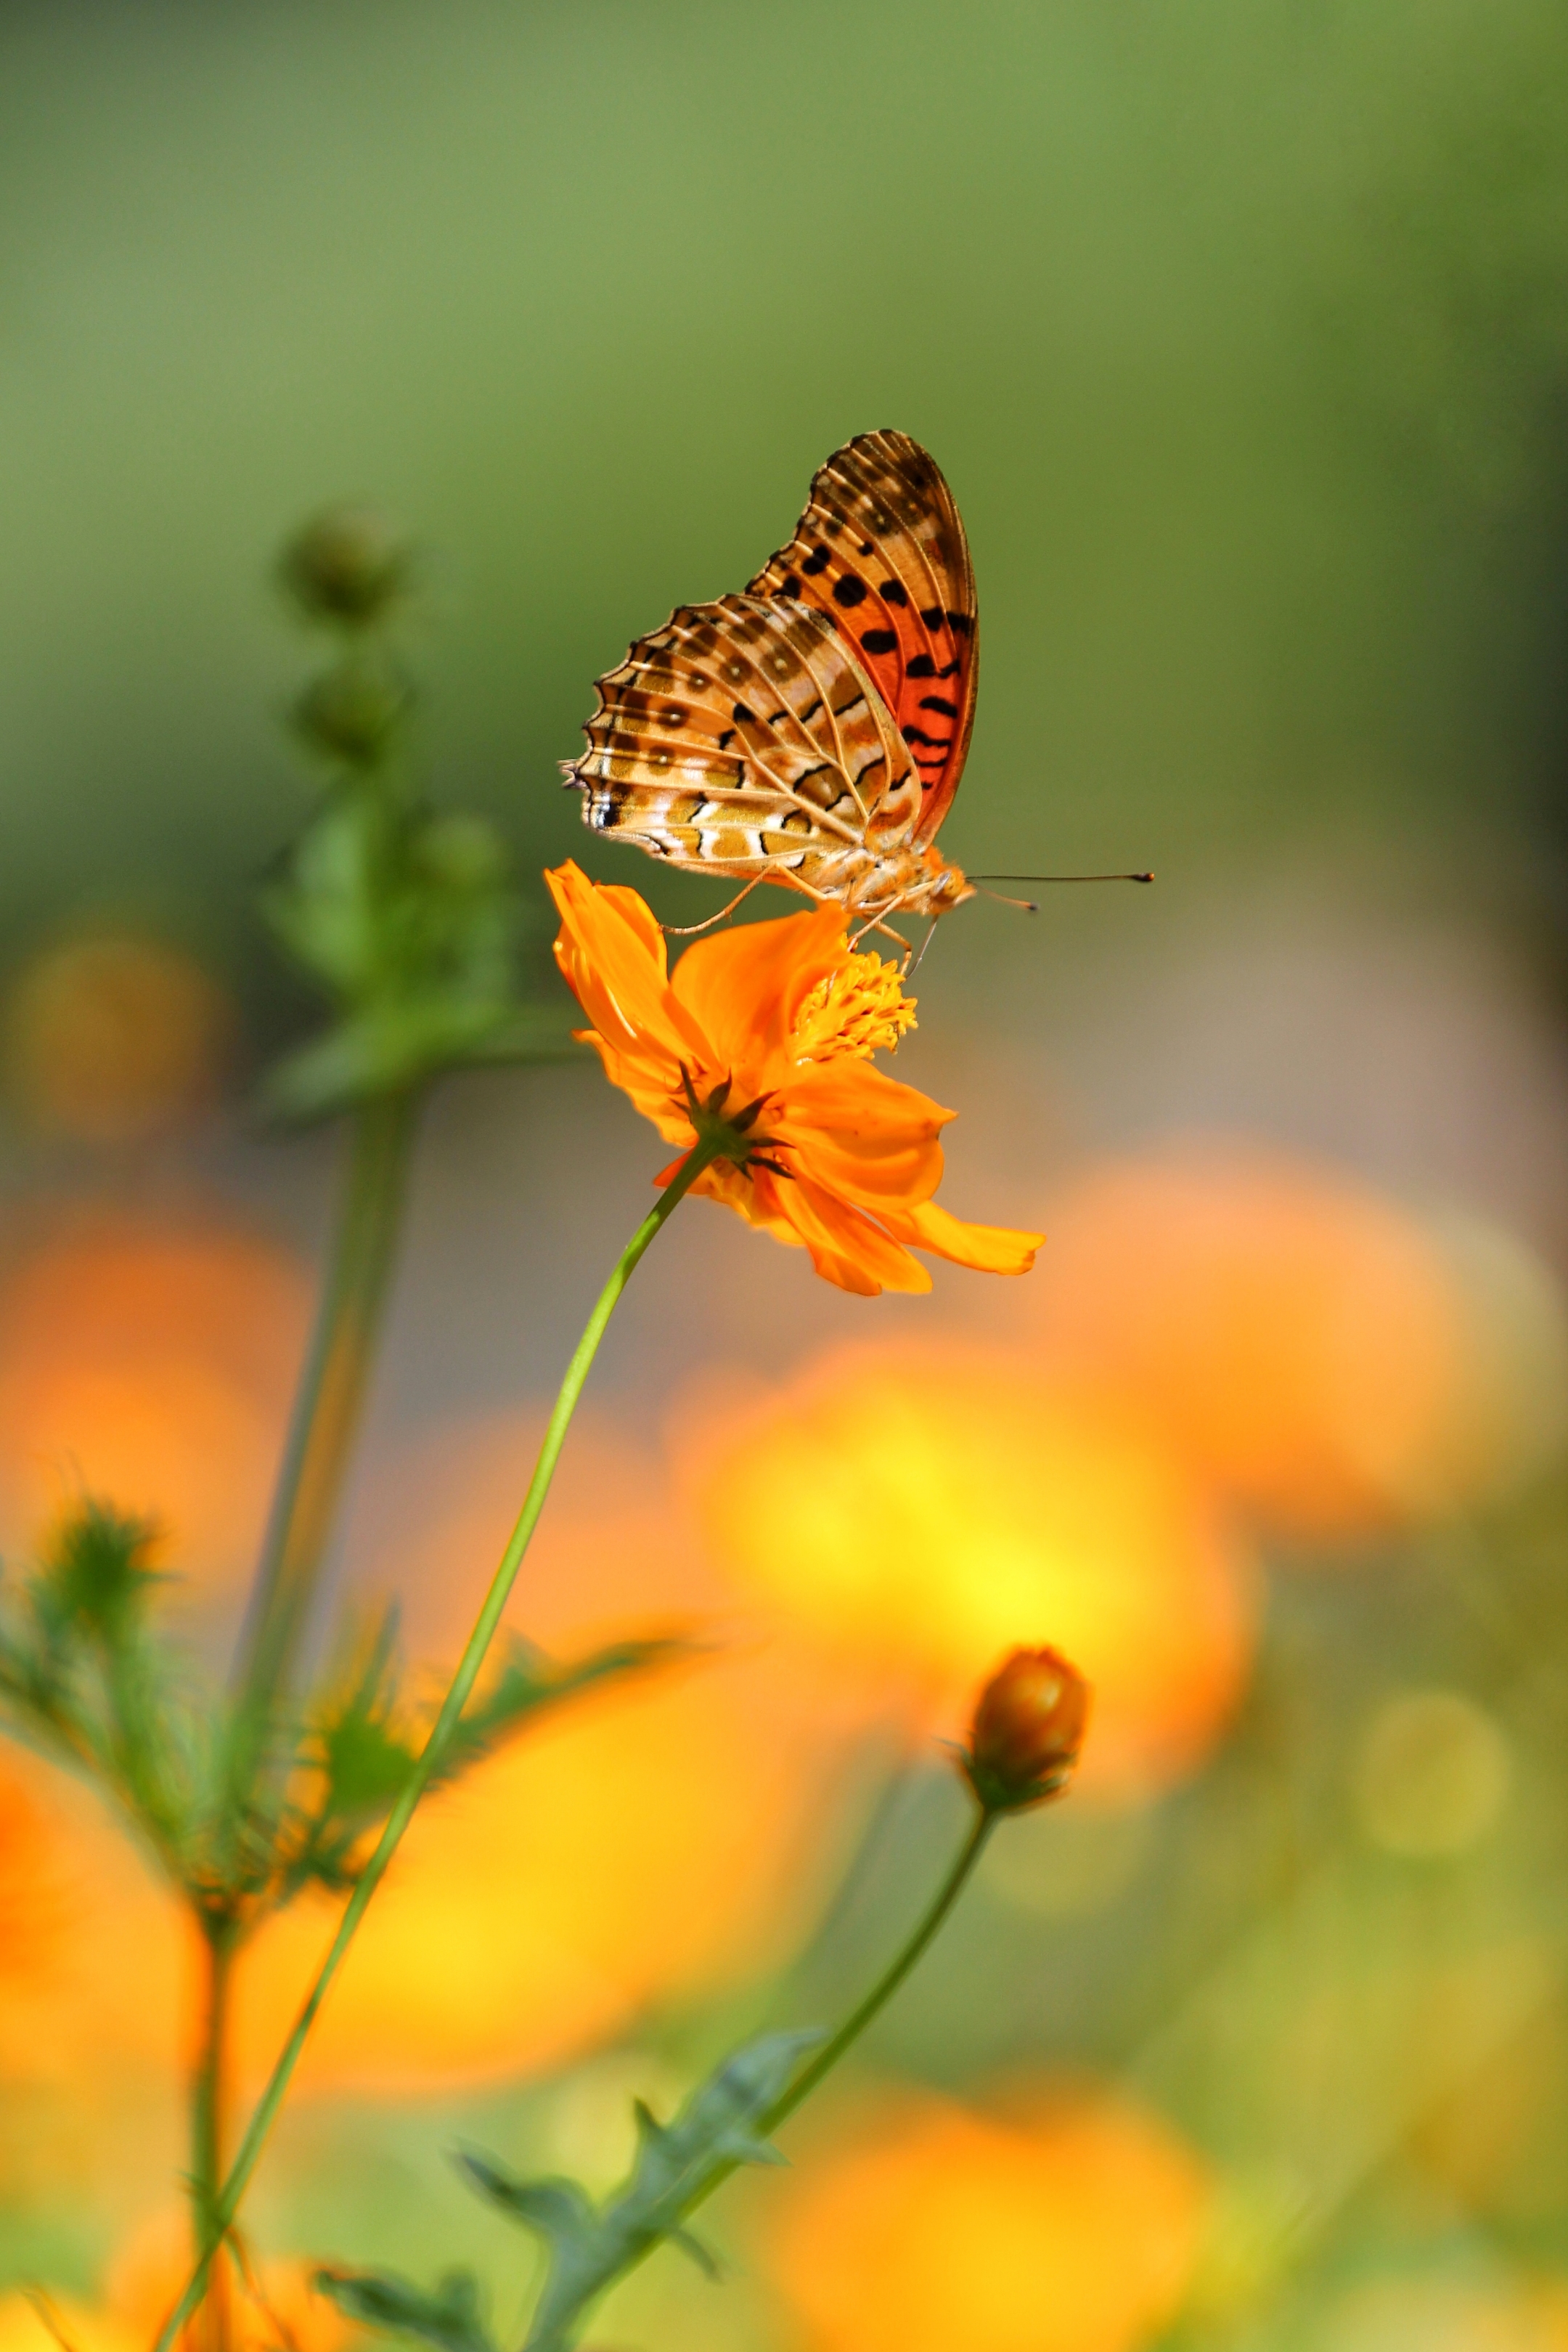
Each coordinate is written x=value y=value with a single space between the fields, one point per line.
x=743 y=738
x=880 y=550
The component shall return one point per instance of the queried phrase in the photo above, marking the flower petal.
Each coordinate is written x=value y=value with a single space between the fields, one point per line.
x=611 y=952
x=746 y=985
x=868 y=1136
x=989 y=1249
x=846 y=1247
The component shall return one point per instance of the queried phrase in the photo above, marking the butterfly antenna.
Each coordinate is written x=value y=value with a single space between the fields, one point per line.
x=1060 y=877
x=1029 y=906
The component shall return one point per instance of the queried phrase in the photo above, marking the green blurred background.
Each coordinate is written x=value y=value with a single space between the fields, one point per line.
x=1240 y=329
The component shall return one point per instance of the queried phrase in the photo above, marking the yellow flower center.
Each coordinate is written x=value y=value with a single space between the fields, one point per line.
x=859 y=1009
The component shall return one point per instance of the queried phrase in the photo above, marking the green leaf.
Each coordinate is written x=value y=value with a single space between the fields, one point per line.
x=397 y=1044
x=94 y=1573
x=559 y=2210
x=449 y=2317
x=590 y=2246
x=524 y=1681
x=410 y=923
x=364 y=1738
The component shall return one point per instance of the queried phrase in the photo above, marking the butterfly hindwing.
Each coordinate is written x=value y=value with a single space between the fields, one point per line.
x=880 y=550
x=745 y=736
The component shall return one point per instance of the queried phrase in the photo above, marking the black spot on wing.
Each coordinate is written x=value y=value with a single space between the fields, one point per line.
x=850 y=589
x=893 y=591
x=880 y=641
x=920 y=665
x=939 y=702
x=818 y=561
x=933 y=617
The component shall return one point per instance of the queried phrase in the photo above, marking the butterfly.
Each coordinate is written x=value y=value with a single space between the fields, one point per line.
x=811 y=731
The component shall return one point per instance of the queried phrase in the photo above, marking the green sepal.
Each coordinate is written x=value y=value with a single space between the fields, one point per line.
x=450 y=2317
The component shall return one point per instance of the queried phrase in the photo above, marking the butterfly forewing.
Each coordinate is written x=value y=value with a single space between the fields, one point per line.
x=880 y=550
x=813 y=730
x=745 y=736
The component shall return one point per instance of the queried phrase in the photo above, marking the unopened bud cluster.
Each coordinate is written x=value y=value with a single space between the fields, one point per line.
x=1028 y=1730
x=349 y=569
x=347 y=565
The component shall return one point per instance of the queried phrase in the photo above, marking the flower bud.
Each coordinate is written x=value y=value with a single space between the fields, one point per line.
x=349 y=711
x=1028 y=1729
x=348 y=566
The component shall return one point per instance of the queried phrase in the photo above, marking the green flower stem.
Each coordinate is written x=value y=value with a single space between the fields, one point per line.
x=886 y=1984
x=325 y=1422
x=226 y=2203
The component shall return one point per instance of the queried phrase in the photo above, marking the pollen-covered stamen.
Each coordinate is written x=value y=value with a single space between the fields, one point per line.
x=859 y=1009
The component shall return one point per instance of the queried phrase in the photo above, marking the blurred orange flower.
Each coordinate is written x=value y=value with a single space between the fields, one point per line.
x=767 y=1030
x=1077 y=2228
x=659 y=1839
x=272 y=2305
x=1307 y=1343
x=921 y=1512
x=95 y=1966
x=112 y=1036
x=152 y=1366
x=32 y=1904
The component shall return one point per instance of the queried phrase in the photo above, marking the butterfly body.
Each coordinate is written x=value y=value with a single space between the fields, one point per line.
x=811 y=731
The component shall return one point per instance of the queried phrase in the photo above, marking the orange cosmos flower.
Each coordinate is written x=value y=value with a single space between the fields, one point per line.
x=766 y=1033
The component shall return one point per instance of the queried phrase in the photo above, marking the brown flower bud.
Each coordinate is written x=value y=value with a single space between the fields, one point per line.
x=1028 y=1729
x=348 y=566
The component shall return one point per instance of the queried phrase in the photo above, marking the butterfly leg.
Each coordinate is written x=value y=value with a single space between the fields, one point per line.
x=910 y=969
x=690 y=930
x=879 y=923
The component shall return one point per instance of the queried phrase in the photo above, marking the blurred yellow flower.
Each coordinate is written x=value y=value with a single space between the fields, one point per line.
x=644 y=1843
x=920 y=1511
x=1073 y=2231
x=1309 y=1345
x=108 y=1037
x=155 y=1366
x=85 y=2328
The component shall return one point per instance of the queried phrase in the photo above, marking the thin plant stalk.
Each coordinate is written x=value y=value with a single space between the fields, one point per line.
x=887 y=1984
x=226 y=2203
x=324 y=1423
x=209 y=2115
